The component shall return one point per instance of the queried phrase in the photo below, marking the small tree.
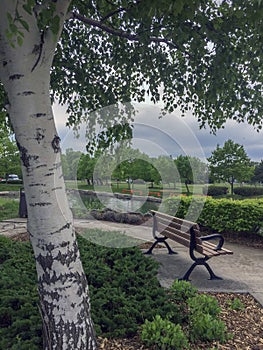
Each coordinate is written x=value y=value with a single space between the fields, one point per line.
x=230 y=163
x=9 y=155
x=258 y=173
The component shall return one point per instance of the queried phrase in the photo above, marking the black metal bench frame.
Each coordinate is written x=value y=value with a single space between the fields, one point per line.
x=195 y=242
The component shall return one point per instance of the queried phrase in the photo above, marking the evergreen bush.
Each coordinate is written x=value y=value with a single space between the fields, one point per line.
x=123 y=286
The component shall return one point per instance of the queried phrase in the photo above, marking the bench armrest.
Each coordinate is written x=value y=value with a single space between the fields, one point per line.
x=214 y=236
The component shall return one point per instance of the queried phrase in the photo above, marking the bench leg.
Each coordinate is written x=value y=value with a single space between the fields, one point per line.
x=202 y=262
x=161 y=240
x=211 y=272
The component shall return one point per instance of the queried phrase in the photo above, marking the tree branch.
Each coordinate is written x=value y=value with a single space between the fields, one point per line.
x=120 y=33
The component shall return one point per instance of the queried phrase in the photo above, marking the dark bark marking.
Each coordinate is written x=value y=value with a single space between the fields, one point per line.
x=41 y=166
x=40 y=204
x=68 y=224
x=49 y=174
x=40 y=135
x=68 y=257
x=57 y=188
x=25 y=157
x=33 y=185
x=4 y=63
x=27 y=93
x=45 y=261
x=39 y=115
x=16 y=76
x=55 y=144
x=50 y=247
x=38 y=50
x=56 y=166
x=64 y=244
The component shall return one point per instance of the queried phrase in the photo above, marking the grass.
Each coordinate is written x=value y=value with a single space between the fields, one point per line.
x=8 y=208
x=10 y=187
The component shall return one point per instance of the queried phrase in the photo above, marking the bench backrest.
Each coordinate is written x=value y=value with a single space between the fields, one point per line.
x=178 y=230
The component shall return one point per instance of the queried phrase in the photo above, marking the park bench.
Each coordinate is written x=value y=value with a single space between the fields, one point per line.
x=188 y=234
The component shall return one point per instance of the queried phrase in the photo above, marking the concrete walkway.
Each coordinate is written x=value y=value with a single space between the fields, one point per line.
x=242 y=271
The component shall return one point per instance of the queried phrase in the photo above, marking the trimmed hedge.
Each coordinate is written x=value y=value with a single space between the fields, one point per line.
x=215 y=190
x=221 y=215
x=247 y=191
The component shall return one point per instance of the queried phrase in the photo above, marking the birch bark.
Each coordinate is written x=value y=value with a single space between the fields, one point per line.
x=63 y=289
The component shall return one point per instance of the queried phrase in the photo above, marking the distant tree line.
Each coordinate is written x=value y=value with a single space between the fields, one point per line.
x=229 y=163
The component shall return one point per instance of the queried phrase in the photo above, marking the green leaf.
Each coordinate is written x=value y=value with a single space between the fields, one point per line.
x=54 y=26
x=20 y=41
x=24 y=24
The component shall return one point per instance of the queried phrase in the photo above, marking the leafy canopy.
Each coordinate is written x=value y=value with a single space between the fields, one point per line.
x=199 y=54
x=189 y=53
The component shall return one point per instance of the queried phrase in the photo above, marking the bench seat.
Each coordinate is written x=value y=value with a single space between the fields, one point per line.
x=188 y=234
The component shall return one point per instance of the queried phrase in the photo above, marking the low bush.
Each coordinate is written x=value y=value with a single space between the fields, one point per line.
x=215 y=190
x=163 y=334
x=220 y=215
x=247 y=191
x=205 y=327
x=200 y=320
x=204 y=323
x=181 y=291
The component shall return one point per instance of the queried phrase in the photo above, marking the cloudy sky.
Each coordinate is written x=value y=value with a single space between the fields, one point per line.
x=172 y=135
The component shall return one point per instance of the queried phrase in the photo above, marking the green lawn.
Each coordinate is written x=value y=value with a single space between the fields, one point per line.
x=8 y=208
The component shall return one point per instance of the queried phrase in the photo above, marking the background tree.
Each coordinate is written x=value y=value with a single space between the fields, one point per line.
x=230 y=163
x=166 y=164
x=70 y=162
x=185 y=170
x=9 y=155
x=93 y=55
x=258 y=173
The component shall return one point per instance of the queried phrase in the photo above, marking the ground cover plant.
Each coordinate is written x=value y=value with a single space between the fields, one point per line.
x=123 y=286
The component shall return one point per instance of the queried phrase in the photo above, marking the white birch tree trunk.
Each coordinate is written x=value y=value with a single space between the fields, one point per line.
x=63 y=290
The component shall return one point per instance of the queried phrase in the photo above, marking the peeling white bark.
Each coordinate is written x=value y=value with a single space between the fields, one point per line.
x=62 y=283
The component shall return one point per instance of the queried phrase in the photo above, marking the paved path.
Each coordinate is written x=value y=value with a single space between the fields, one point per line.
x=242 y=271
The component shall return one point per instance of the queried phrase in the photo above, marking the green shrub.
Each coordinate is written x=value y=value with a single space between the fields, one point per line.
x=247 y=191
x=215 y=190
x=205 y=327
x=162 y=334
x=124 y=289
x=123 y=286
x=182 y=290
x=203 y=322
x=236 y=304
x=20 y=322
x=220 y=215
x=202 y=303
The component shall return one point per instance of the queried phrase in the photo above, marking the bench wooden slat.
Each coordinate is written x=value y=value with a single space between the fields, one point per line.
x=176 y=232
x=177 y=239
x=173 y=218
x=221 y=251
